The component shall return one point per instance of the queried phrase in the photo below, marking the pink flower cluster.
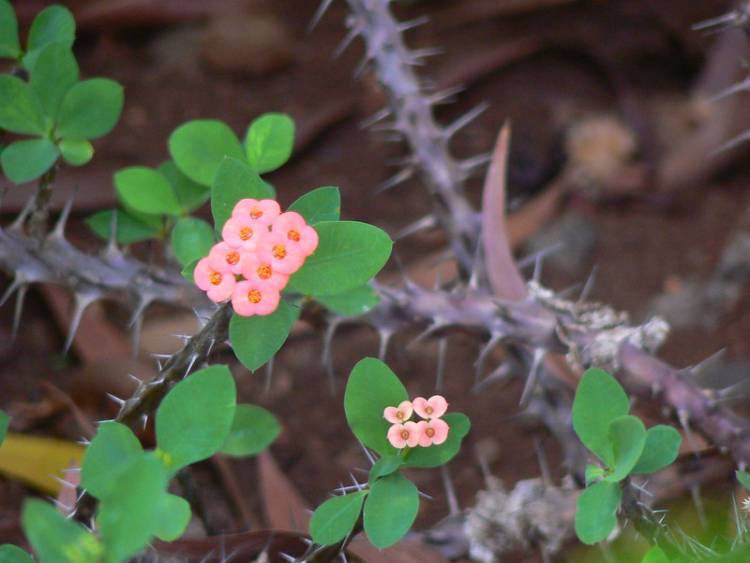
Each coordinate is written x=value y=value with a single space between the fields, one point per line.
x=262 y=247
x=406 y=432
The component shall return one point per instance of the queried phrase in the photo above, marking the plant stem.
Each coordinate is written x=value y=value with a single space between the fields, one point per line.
x=40 y=213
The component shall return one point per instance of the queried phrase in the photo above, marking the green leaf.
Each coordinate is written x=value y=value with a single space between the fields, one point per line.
x=596 y=511
x=628 y=437
x=26 y=160
x=10 y=47
x=55 y=72
x=56 y=539
x=744 y=478
x=390 y=510
x=321 y=204
x=435 y=456
x=372 y=387
x=335 y=518
x=191 y=195
x=199 y=147
x=269 y=141
x=384 y=467
x=593 y=473
x=191 y=239
x=129 y=228
x=76 y=152
x=352 y=303
x=234 y=181
x=599 y=400
x=20 y=112
x=187 y=271
x=256 y=339
x=132 y=512
x=112 y=451
x=348 y=256
x=253 y=430
x=90 y=109
x=661 y=449
x=146 y=190
x=54 y=24
x=194 y=418
x=11 y=553
x=4 y=422
x=175 y=517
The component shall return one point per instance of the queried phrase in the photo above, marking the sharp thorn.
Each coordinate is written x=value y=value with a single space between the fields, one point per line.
x=467 y=118
x=82 y=301
x=350 y=36
x=731 y=90
x=17 y=282
x=269 y=376
x=440 y=372
x=117 y=400
x=589 y=285
x=450 y=491
x=738 y=140
x=385 y=338
x=423 y=224
x=112 y=248
x=25 y=212
x=484 y=352
x=533 y=377
x=322 y=9
x=395 y=180
x=407 y=25
x=695 y=493
x=367 y=453
x=18 y=311
x=375 y=118
x=541 y=457
x=59 y=229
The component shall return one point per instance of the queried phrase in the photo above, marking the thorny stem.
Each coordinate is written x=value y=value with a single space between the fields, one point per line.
x=40 y=213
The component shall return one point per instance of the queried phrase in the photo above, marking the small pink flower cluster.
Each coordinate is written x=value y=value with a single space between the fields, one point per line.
x=262 y=247
x=431 y=430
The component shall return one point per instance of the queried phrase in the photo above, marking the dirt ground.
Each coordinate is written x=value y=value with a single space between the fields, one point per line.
x=587 y=57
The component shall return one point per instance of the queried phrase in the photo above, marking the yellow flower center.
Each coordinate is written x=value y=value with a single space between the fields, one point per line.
x=279 y=251
x=405 y=434
x=401 y=415
x=428 y=409
x=430 y=432
x=256 y=213
x=233 y=258
x=246 y=233
x=214 y=278
x=293 y=235
x=254 y=296
x=264 y=272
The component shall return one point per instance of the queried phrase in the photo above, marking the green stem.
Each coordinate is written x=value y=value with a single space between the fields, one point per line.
x=40 y=213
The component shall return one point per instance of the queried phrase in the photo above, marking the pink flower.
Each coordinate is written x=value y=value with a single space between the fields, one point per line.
x=262 y=210
x=293 y=226
x=402 y=435
x=400 y=414
x=218 y=285
x=284 y=257
x=243 y=232
x=433 y=431
x=253 y=298
x=434 y=407
x=262 y=272
x=225 y=258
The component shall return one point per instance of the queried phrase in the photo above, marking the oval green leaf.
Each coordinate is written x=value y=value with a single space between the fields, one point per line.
x=390 y=510
x=256 y=339
x=20 y=112
x=234 y=181
x=145 y=190
x=384 y=467
x=194 y=418
x=191 y=239
x=596 y=511
x=54 y=24
x=108 y=456
x=372 y=387
x=435 y=456
x=253 y=430
x=175 y=517
x=269 y=141
x=599 y=400
x=320 y=204
x=661 y=449
x=199 y=147
x=76 y=152
x=24 y=161
x=334 y=519
x=4 y=422
x=627 y=435
x=191 y=195
x=55 y=72
x=54 y=537
x=90 y=109
x=349 y=254
x=10 y=47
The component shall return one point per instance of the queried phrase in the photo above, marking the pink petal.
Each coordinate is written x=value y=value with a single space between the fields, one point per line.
x=201 y=274
x=424 y=440
x=441 y=430
x=391 y=415
x=394 y=436
x=269 y=302
x=309 y=240
x=420 y=404
x=406 y=408
x=292 y=260
x=240 y=303
x=439 y=406
x=223 y=291
x=415 y=432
